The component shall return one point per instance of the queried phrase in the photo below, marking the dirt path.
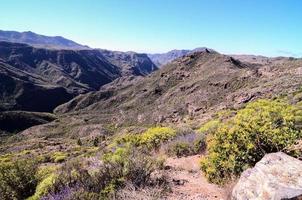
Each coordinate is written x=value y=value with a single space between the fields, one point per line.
x=189 y=182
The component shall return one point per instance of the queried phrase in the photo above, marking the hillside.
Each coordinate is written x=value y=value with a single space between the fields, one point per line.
x=189 y=88
x=55 y=76
x=150 y=100
x=42 y=41
x=161 y=59
x=16 y=121
x=131 y=63
x=147 y=137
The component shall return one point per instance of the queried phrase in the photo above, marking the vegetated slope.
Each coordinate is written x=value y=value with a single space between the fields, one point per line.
x=188 y=89
x=27 y=91
x=40 y=79
x=130 y=63
x=33 y=39
x=160 y=59
x=103 y=126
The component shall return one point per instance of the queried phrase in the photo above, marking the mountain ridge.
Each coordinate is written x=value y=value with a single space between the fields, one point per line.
x=25 y=68
x=192 y=86
x=161 y=59
x=41 y=41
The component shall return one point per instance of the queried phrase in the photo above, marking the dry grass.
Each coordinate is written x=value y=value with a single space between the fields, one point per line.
x=147 y=193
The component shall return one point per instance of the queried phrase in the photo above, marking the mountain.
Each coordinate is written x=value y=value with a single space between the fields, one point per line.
x=190 y=88
x=55 y=76
x=15 y=121
x=33 y=39
x=185 y=93
x=161 y=59
x=130 y=63
x=154 y=113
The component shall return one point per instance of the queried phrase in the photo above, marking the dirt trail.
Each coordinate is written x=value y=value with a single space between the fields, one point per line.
x=188 y=181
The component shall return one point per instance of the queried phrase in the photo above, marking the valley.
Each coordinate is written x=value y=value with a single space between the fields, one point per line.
x=84 y=123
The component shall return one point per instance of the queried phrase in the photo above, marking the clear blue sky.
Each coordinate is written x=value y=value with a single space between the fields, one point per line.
x=267 y=27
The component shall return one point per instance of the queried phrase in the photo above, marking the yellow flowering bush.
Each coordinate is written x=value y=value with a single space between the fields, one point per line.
x=261 y=127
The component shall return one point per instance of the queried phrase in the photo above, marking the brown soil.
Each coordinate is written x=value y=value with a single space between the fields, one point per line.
x=189 y=183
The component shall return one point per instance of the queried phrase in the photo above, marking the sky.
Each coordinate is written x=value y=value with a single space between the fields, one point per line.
x=260 y=27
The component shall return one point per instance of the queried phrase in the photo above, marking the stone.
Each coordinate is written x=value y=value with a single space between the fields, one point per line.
x=276 y=176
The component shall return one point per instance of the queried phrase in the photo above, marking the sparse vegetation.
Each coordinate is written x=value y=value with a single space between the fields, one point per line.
x=123 y=165
x=111 y=143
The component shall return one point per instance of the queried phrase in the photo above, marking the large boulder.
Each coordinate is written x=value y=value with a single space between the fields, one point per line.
x=276 y=176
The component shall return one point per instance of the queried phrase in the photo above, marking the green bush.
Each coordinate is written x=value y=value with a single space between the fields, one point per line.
x=180 y=149
x=17 y=179
x=125 y=164
x=132 y=165
x=59 y=157
x=209 y=126
x=199 y=145
x=190 y=143
x=44 y=187
x=152 y=138
x=262 y=127
x=46 y=175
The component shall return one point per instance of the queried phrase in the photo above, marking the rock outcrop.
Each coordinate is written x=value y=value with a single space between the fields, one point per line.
x=276 y=176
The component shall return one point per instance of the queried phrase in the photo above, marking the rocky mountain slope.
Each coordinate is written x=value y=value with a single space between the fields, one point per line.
x=161 y=59
x=33 y=39
x=131 y=63
x=55 y=76
x=162 y=115
x=188 y=89
x=15 y=121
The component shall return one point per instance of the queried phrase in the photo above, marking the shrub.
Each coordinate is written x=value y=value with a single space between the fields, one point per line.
x=96 y=141
x=46 y=176
x=17 y=179
x=262 y=127
x=147 y=193
x=185 y=145
x=44 y=187
x=153 y=137
x=134 y=165
x=68 y=193
x=180 y=149
x=199 y=145
x=297 y=98
x=124 y=164
x=209 y=126
x=71 y=178
x=79 y=142
x=59 y=157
